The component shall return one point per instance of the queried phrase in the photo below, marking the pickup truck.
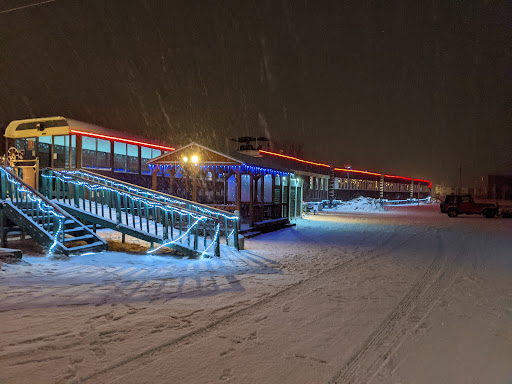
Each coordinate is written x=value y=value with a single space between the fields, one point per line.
x=456 y=204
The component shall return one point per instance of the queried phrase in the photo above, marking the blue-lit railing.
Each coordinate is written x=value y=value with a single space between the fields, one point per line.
x=168 y=223
x=40 y=211
x=228 y=221
x=405 y=201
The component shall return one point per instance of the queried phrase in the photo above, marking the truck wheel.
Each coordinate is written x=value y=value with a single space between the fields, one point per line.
x=489 y=213
x=452 y=213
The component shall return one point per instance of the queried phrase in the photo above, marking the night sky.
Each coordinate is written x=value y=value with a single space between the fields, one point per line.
x=406 y=87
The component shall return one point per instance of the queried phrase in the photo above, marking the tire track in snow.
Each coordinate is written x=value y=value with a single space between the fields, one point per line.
x=296 y=290
x=410 y=312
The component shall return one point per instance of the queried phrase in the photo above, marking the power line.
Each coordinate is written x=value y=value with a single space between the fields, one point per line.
x=27 y=6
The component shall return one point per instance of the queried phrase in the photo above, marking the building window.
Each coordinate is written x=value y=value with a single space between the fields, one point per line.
x=61 y=151
x=246 y=188
x=147 y=154
x=267 y=193
x=95 y=153
x=132 y=158
x=119 y=157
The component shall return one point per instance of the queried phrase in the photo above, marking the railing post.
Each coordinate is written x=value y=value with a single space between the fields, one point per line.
x=188 y=227
x=55 y=227
x=166 y=225
x=196 y=233
x=118 y=209
x=205 y=235
x=3 y=242
x=49 y=185
x=235 y=234
x=76 y=192
x=4 y=185
x=226 y=233
x=217 y=240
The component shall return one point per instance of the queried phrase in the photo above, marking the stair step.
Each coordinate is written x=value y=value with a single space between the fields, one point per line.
x=248 y=235
x=76 y=229
x=86 y=247
x=78 y=238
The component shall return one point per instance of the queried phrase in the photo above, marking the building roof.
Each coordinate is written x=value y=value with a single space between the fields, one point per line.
x=212 y=157
x=59 y=125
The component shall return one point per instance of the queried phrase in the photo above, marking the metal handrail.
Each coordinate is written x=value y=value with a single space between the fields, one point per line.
x=131 y=205
x=47 y=201
x=185 y=201
x=227 y=217
x=49 y=213
x=146 y=198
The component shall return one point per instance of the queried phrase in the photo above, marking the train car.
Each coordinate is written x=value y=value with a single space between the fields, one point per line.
x=350 y=183
x=61 y=142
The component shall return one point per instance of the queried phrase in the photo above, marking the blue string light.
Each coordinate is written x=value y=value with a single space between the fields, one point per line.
x=96 y=187
x=154 y=196
x=48 y=209
x=177 y=239
x=213 y=241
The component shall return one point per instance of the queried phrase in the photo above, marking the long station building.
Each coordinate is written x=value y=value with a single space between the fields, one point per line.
x=259 y=184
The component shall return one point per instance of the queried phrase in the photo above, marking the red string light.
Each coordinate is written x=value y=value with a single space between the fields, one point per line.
x=128 y=141
x=294 y=158
x=341 y=169
x=356 y=171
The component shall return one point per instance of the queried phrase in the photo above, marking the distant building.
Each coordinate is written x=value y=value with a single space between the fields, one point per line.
x=497 y=187
x=441 y=190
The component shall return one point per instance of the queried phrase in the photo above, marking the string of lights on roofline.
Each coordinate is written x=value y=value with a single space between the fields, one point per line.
x=242 y=168
x=194 y=159
x=341 y=169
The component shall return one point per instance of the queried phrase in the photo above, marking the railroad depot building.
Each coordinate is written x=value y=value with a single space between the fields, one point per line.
x=259 y=184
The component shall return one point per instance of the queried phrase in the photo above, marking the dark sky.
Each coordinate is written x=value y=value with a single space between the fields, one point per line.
x=405 y=87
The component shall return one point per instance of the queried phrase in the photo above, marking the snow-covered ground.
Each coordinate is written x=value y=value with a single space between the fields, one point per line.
x=360 y=204
x=406 y=295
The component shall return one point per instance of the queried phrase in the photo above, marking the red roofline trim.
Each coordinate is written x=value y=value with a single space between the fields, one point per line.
x=294 y=158
x=128 y=141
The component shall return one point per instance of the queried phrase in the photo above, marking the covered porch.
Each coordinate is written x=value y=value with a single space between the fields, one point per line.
x=206 y=176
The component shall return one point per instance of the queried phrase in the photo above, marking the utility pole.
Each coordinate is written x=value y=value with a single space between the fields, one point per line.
x=460 y=178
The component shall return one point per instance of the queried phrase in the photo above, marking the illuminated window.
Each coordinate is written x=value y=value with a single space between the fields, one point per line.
x=267 y=194
x=132 y=158
x=119 y=157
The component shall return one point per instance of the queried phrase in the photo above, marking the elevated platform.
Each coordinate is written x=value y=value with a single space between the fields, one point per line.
x=145 y=214
x=25 y=210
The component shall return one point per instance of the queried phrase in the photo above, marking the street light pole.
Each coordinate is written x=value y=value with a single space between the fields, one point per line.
x=460 y=178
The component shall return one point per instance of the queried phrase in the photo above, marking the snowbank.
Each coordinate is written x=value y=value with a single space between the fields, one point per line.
x=360 y=204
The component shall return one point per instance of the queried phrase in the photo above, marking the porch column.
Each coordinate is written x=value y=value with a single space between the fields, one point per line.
x=139 y=161
x=238 y=178
x=171 y=182
x=154 y=176
x=112 y=156
x=262 y=192
x=282 y=197
x=214 y=180
x=273 y=194
x=185 y=177
x=251 y=198
x=195 y=175
x=78 y=151
x=289 y=196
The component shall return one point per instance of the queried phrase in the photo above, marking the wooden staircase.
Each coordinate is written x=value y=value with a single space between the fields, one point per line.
x=24 y=209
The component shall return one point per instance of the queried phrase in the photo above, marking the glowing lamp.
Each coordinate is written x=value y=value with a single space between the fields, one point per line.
x=195 y=159
x=185 y=159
